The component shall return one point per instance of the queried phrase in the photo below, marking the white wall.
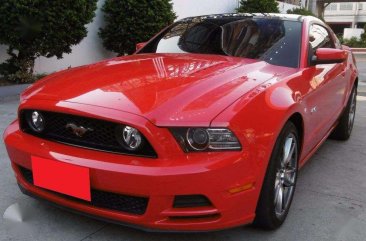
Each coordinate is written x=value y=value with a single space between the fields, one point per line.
x=88 y=51
x=188 y=8
x=3 y=55
x=353 y=32
x=91 y=50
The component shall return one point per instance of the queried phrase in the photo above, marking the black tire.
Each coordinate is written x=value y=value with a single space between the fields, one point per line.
x=343 y=130
x=266 y=215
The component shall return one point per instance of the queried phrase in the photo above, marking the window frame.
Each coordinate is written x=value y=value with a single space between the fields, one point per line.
x=168 y=28
x=330 y=33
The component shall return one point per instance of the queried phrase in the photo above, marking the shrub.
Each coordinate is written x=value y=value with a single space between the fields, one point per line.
x=258 y=6
x=33 y=28
x=301 y=11
x=354 y=42
x=363 y=36
x=129 y=22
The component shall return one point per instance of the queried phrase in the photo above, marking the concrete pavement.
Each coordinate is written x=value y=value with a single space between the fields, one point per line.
x=11 y=92
x=329 y=203
x=361 y=64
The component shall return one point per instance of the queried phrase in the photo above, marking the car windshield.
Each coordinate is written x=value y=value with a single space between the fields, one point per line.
x=273 y=40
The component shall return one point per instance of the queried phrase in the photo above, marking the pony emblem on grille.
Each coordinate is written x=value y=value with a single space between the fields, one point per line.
x=78 y=130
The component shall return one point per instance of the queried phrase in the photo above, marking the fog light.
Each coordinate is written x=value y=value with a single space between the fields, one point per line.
x=36 y=121
x=129 y=137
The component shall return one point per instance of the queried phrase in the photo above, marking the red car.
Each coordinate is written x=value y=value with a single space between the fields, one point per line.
x=204 y=128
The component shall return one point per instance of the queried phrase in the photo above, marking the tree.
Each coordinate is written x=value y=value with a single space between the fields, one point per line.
x=258 y=6
x=129 y=22
x=301 y=11
x=34 y=28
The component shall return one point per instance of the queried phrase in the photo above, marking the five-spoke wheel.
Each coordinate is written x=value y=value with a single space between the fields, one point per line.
x=280 y=181
x=286 y=175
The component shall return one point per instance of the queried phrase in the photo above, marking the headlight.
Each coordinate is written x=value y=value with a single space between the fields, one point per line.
x=206 y=139
x=36 y=121
x=129 y=137
x=198 y=138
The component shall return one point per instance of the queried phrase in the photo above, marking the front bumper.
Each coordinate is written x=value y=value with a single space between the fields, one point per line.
x=208 y=174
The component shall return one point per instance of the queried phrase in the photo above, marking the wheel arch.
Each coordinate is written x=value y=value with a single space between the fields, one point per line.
x=356 y=82
x=298 y=121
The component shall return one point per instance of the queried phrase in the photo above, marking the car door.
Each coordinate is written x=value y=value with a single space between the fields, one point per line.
x=327 y=86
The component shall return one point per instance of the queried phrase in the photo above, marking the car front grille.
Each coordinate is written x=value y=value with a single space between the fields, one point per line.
x=102 y=137
x=107 y=200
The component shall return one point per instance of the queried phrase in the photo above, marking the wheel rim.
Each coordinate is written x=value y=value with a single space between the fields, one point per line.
x=352 y=112
x=286 y=175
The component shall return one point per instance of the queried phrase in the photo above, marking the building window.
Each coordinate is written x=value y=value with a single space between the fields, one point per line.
x=332 y=7
x=346 y=6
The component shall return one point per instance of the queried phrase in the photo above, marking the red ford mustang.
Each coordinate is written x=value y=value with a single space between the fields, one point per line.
x=204 y=128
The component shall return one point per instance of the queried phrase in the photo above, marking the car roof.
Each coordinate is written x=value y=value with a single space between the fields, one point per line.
x=292 y=17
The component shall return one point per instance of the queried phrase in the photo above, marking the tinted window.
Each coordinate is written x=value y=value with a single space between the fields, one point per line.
x=273 y=40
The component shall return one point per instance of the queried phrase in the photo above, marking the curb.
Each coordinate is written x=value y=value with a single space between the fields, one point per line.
x=358 y=50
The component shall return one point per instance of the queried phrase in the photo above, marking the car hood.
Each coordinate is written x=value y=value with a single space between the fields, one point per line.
x=167 y=89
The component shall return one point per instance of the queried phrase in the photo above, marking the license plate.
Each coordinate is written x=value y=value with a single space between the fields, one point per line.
x=61 y=177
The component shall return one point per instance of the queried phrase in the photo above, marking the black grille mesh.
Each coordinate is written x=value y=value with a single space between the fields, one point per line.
x=107 y=200
x=102 y=137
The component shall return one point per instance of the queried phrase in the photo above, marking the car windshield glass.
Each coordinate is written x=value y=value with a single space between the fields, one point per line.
x=273 y=40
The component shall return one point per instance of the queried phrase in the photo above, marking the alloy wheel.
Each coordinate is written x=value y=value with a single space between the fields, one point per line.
x=286 y=175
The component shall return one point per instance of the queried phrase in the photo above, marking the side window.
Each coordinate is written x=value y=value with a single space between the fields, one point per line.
x=319 y=38
x=337 y=43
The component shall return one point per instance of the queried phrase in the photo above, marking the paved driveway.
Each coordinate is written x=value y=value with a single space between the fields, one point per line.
x=329 y=204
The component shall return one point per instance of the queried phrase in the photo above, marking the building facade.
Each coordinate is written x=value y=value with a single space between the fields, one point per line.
x=293 y=2
x=345 y=15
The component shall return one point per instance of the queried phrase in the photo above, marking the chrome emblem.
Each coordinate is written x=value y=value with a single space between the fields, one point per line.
x=78 y=130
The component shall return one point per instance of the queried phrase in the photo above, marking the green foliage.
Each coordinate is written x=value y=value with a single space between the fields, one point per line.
x=354 y=42
x=33 y=28
x=300 y=11
x=129 y=22
x=363 y=36
x=303 y=12
x=258 y=6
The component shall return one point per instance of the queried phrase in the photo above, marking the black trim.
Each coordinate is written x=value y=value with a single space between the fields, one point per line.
x=112 y=221
x=128 y=204
x=102 y=136
x=191 y=201
x=314 y=61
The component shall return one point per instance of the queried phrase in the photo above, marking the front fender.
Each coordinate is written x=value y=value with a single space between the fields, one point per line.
x=258 y=118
